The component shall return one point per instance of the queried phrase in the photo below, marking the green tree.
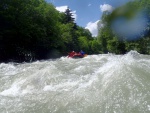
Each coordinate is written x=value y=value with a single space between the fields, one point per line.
x=69 y=16
x=83 y=42
x=28 y=28
x=96 y=47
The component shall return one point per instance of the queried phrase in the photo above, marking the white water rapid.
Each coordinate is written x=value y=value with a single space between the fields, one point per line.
x=103 y=83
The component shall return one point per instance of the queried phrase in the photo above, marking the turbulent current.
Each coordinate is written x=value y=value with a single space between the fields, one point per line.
x=104 y=83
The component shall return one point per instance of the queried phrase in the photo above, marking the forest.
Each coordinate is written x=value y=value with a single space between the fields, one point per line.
x=33 y=30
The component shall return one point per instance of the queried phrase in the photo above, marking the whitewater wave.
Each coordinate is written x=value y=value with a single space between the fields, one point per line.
x=104 y=83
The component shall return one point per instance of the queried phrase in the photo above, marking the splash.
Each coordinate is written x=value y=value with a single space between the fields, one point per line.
x=104 y=83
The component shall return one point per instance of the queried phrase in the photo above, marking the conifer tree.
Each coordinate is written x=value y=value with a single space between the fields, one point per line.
x=69 y=16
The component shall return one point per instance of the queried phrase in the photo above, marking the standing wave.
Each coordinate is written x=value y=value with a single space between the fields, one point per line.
x=104 y=83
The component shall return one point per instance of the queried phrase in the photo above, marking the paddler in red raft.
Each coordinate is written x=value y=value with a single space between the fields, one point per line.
x=71 y=54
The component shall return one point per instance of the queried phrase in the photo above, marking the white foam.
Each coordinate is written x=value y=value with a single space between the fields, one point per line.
x=8 y=69
x=148 y=107
x=101 y=83
x=62 y=86
x=13 y=91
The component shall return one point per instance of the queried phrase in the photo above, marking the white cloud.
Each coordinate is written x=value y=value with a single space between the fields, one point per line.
x=92 y=26
x=74 y=15
x=89 y=5
x=63 y=9
x=106 y=7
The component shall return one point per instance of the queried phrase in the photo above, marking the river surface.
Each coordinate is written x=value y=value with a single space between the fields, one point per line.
x=104 y=83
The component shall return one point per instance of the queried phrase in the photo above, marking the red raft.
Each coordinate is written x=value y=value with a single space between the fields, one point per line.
x=76 y=55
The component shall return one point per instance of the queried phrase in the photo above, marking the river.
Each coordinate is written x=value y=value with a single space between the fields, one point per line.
x=104 y=83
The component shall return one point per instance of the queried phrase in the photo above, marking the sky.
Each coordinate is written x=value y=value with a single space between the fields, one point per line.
x=87 y=13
